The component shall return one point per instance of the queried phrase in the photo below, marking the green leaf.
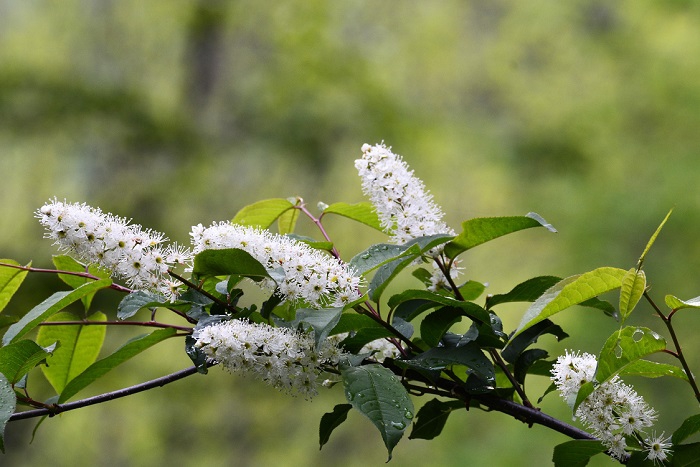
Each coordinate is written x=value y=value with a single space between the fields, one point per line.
x=624 y=347
x=80 y=346
x=361 y=212
x=425 y=300
x=517 y=345
x=525 y=361
x=262 y=213
x=287 y=221
x=226 y=262
x=633 y=285
x=652 y=240
x=140 y=299
x=384 y=275
x=431 y=418
x=483 y=229
x=321 y=321
x=649 y=369
x=468 y=355
x=688 y=428
x=313 y=243
x=52 y=305
x=436 y=324
x=10 y=280
x=101 y=367
x=576 y=453
x=471 y=290
x=379 y=254
x=527 y=291
x=18 y=358
x=584 y=391
x=378 y=394
x=8 y=403
x=686 y=455
x=676 y=303
x=571 y=291
x=332 y=420
x=67 y=263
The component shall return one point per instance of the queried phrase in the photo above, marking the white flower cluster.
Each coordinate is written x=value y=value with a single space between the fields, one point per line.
x=311 y=276
x=405 y=208
x=126 y=250
x=612 y=411
x=286 y=359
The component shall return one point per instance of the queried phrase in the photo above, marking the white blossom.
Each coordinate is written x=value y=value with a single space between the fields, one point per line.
x=405 y=208
x=310 y=276
x=658 y=448
x=612 y=411
x=284 y=358
x=127 y=251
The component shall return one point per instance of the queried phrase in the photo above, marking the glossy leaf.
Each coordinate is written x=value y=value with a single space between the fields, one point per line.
x=262 y=213
x=471 y=290
x=10 y=281
x=321 y=321
x=377 y=255
x=576 y=453
x=688 y=428
x=140 y=299
x=18 y=358
x=425 y=300
x=624 y=347
x=52 y=305
x=8 y=403
x=517 y=345
x=378 y=394
x=80 y=346
x=332 y=420
x=431 y=418
x=676 y=303
x=68 y=263
x=287 y=221
x=468 y=355
x=481 y=230
x=633 y=285
x=361 y=212
x=384 y=275
x=649 y=369
x=527 y=291
x=571 y=291
x=103 y=366
x=525 y=360
x=226 y=262
x=436 y=324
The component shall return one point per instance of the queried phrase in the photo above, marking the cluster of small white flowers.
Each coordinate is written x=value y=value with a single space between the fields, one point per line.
x=309 y=275
x=284 y=358
x=405 y=208
x=127 y=251
x=612 y=411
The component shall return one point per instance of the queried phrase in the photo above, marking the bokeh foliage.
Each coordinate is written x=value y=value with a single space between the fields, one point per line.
x=176 y=113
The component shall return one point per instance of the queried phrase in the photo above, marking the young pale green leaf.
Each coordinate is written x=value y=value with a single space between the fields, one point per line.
x=650 y=369
x=584 y=391
x=10 y=280
x=471 y=290
x=262 y=213
x=80 y=346
x=52 y=305
x=18 y=358
x=431 y=418
x=101 y=367
x=437 y=323
x=483 y=229
x=571 y=291
x=360 y=212
x=8 y=402
x=226 y=262
x=378 y=394
x=332 y=420
x=688 y=428
x=624 y=347
x=287 y=221
x=68 y=263
x=676 y=303
x=633 y=285
x=652 y=240
x=576 y=453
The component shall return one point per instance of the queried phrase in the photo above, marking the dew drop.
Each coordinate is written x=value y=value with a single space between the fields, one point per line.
x=637 y=335
x=618 y=351
x=398 y=426
x=366 y=256
x=350 y=396
x=408 y=414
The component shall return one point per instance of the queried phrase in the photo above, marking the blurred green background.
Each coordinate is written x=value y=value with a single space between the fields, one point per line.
x=176 y=112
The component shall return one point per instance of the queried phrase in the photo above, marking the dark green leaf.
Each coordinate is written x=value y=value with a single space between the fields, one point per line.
x=688 y=428
x=10 y=280
x=18 y=358
x=138 y=300
x=364 y=336
x=437 y=323
x=431 y=418
x=468 y=355
x=481 y=230
x=80 y=346
x=624 y=347
x=198 y=357
x=428 y=300
x=350 y=322
x=525 y=361
x=577 y=452
x=361 y=212
x=332 y=420
x=384 y=275
x=52 y=305
x=686 y=455
x=378 y=394
x=124 y=353
x=633 y=285
x=321 y=321
x=8 y=403
x=571 y=291
x=229 y=261
x=516 y=346
x=379 y=254
x=262 y=213
x=527 y=291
